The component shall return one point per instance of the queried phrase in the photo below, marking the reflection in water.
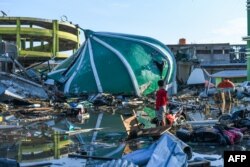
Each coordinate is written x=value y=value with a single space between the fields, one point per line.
x=53 y=138
x=30 y=145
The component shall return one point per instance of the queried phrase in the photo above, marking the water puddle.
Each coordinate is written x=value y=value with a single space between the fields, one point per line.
x=47 y=134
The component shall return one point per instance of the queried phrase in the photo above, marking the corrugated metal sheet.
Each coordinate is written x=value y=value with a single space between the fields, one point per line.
x=196 y=77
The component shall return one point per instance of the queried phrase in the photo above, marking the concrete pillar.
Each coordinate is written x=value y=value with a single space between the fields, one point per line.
x=78 y=41
x=78 y=38
x=42 y=45
x=23 y=44
x=18 y=36
x=31 y=40
x=55 y=47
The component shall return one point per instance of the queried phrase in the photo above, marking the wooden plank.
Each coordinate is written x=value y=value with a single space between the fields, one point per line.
x=157 y=131
x=75 y=132
x=131 y=124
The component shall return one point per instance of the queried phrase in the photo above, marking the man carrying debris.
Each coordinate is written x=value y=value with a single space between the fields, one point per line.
x=161 y=104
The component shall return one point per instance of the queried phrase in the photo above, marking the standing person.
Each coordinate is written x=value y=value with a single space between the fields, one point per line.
x=226 y=84
x=226 y=87
x=161 y=103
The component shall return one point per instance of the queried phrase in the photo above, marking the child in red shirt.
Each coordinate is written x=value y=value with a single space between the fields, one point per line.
x=161 y=103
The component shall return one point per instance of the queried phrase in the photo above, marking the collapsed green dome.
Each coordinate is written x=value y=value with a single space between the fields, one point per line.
x=117 y=64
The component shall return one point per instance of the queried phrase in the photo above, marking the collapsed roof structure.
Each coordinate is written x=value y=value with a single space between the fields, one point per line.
x=117 y=64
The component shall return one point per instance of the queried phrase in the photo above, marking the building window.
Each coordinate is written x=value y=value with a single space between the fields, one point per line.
x=217 y=51
x=203 y=51
x=226 y=51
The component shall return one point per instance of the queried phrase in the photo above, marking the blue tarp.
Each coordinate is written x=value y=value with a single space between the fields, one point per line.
x=164 y=153
x=117 y=163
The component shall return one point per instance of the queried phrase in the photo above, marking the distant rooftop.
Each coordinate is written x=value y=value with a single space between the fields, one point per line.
x=230 y=73
x=221 y=65
x=193 y=44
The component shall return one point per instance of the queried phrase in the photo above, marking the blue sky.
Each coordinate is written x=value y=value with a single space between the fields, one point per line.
x=199 y=21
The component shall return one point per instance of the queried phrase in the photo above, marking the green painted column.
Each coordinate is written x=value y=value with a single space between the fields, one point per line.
x=78 y=41
x=55 y=47
x=42 y=45
x=31 y=40
x=18 y=36
x=78 y=38
x=23 y=44
x=248 y=40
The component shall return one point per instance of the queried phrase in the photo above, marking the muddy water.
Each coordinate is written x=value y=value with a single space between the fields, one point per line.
x=49 y=139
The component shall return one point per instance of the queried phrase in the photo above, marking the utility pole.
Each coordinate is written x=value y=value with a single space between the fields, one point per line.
x=248 y=40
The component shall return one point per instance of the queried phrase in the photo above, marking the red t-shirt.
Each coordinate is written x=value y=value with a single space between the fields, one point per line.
x=161 y=98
